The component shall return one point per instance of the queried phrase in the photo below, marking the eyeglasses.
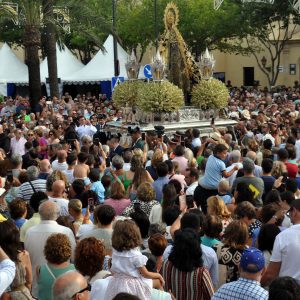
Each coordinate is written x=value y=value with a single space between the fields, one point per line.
x=88 y=288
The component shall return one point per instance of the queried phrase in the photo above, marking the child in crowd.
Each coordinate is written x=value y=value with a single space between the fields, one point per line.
x=212 y=228
x=18 y=211
x=224 y=192
x=129 y=265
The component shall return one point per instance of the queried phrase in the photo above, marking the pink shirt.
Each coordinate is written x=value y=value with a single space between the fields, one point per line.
x=182 y=161
x=118 y=205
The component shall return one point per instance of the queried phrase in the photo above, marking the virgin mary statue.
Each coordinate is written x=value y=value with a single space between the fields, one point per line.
x=181 y=66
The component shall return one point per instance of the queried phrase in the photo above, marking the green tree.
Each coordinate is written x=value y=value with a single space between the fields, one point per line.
x=273 y=26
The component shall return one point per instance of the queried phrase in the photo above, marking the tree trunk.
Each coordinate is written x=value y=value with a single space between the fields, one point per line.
x=49 y=42
x=32 y=40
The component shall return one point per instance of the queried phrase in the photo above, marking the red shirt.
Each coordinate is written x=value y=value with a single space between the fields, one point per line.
x=292 y=169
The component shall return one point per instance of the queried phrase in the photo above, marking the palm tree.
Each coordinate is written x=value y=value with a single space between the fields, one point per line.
x=49 y=43
x=30 y=17
x=32 y=43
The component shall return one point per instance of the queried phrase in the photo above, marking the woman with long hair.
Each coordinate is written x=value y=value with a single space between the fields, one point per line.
x=118 y=199
x=183 y=272
x=169 y=200
x=230 y=251
x=140 y=176
x=135 y=163
x=10 y=243
x=217 y=207
x=52 y=137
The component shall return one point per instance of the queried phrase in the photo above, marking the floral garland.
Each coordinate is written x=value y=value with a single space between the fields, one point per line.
x=210 y=93
x=126 y=94
x=160 y=97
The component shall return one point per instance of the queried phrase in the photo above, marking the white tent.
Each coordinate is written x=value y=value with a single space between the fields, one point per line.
x=101 y=67
x=67 y=64
x=12 y=70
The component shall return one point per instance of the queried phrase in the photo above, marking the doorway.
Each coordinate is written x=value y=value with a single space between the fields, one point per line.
x=248 y=76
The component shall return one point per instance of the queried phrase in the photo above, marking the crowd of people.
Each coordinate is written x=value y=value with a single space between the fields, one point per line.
x=89 y=213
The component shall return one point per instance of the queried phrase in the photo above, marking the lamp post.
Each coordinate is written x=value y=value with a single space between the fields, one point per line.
x=264 y=61
x=116 y=60
x=264 y=64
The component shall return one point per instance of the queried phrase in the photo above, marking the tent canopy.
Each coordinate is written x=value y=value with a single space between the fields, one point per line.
x=12 y=70
x=67 y=64
x=101 y=67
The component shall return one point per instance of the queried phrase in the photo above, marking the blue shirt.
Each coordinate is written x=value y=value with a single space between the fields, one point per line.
x=242 y=289
x=99 y=189
x=213 y=173
x=158 y=185
x=20 y=222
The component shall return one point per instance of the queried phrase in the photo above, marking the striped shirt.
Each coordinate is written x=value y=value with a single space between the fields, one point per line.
x=195 y=285
x=26 y=190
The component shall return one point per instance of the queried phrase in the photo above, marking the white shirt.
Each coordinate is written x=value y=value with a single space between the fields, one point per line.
x=232 y=178
x=18 y=146
x=99 y=288
x=286 y=250
x=70 y=176
x=210 y=261
x=257 y=171
x=191 y=189
x=62 y=205
x=297 y=145
x=35 y=240
x=7 y=274
x=196 y=142
x=89 y=130
x=155 y=216
x=59 y=166
x=126 y=166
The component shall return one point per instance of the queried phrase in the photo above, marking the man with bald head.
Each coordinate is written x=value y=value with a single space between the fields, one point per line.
x=61 y=162
x=71 y=285
x=36 y=237
x=57 y=196
x=45 y=169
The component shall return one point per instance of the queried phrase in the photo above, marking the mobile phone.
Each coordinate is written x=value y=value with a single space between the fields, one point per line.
x=143 y=136
x=91 y=204
x=285 y=178
x=10 y=177
x=189 y=200
x=107 y=162
x=212 y=122
x=96 y=141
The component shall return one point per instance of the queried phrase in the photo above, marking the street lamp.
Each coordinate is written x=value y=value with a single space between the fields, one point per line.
x=116 y=60
x=264 y=64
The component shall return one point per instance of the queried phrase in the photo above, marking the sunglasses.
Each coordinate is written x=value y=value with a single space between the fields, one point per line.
x=50 y=134
x=30 y=134
x=88 y=288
